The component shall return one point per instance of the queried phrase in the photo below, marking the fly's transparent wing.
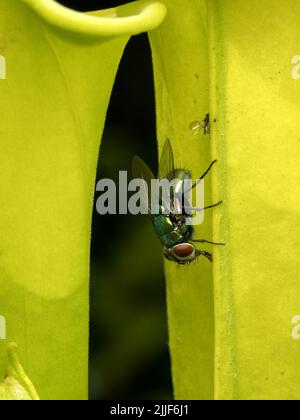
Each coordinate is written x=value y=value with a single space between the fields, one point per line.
x=196 y=126
x=141 y=171
x=166 y=164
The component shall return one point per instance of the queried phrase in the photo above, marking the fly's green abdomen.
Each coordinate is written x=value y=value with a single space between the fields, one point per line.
x=169 y=234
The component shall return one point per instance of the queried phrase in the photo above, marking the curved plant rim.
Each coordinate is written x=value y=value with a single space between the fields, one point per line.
x=51 y=129
x=132 y=18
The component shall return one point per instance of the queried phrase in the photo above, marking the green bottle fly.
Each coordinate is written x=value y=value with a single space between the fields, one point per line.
x=174 y=233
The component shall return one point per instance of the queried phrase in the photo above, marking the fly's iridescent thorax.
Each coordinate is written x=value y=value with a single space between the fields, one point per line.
x=171 y=228
x=181 y=175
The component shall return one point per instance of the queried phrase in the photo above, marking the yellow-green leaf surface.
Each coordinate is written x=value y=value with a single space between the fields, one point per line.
x=180 y=56
x=232 y=335
x=255 y=98
x=57 y=71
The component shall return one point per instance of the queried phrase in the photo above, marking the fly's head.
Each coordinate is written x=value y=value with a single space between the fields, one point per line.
x=183 y=254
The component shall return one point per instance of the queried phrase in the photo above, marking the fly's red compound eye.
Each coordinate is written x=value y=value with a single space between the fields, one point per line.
x=183 y=250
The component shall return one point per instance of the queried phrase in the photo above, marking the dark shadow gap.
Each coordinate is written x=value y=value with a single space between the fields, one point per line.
x=129 y=356
x=86 y=5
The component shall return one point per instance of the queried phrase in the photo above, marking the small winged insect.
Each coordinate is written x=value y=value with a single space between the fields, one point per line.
x=174 y=233
x=204 y=125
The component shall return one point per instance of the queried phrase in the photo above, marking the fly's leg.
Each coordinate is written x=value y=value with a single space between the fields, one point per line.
x=203 y=241
x=208 y=169
x=204 y=208
x=190 y=209
x=206 y=254
x=203 y=176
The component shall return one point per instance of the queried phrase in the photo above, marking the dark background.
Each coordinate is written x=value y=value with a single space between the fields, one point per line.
x=129 y=356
